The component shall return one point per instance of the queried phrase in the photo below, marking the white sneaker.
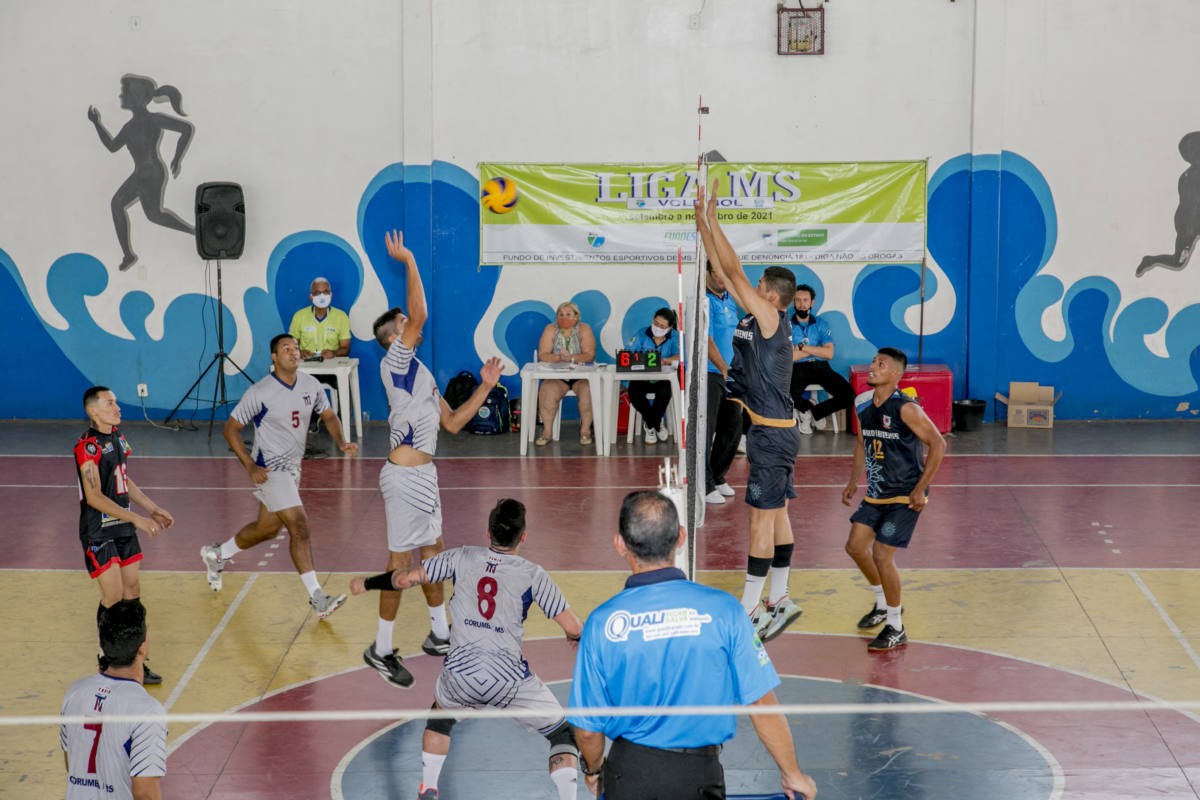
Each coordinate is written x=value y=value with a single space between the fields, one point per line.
x=663 y=433
x=715 y=498
x=821 y=424
x=213 y=564
x=780 y=615
x=760 y=618
x=651 y=436
x=806 y=420
x=725 y=489
x=325 y=604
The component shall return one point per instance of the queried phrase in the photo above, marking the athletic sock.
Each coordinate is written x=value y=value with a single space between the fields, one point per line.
x=880 y=602
x=437 y=621
x=778 y=588
x=756 y=576
x=311 y=584
x=229 y=549
x=781 y=568
x=893 y=618
x=383 y=637
x=431 y=769
x=566 y=780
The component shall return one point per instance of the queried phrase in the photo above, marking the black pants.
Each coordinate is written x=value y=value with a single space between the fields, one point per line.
x=724 y=432
x=805 y=373
x=652 y=411
x=634 y=772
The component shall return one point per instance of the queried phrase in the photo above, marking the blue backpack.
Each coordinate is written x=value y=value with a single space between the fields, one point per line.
x=493 y=416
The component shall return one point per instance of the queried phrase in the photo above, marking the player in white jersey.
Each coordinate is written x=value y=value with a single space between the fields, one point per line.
x=115 y=760
x=408 y=480
x=280 y=407
x=493 y=587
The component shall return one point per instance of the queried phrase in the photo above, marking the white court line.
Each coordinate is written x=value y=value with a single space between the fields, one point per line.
x=1170 y=623
x=212 y=639
x=1106 y=456
x=575 y=487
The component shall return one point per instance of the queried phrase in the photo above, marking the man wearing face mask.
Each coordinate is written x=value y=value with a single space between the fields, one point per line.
x=323 y=332
x=321 y=329
x=812 y=350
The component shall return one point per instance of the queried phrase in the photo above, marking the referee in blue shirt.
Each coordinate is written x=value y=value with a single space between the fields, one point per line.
x=666 y=641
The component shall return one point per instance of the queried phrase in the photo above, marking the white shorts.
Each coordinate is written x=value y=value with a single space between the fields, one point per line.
x=282 y=490
x=483 y=691
x=412 y=505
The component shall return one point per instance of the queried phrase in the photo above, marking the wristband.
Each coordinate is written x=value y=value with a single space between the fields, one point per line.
x=380 y=583
x=583 y=767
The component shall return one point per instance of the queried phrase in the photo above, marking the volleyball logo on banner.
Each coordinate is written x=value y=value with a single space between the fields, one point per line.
x=499 y=195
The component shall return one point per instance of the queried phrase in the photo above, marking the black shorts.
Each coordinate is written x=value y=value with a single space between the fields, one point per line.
x=893 y=523
x=122 y=551
x=772 y=455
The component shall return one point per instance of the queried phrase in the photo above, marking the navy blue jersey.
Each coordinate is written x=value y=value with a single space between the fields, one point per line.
x=895 y=457
x=761 y=373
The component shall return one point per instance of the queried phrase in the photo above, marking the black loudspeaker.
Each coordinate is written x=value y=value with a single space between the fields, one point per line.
x=220 y=220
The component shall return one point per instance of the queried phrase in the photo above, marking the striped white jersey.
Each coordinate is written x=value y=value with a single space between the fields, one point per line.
x=492 y=595
x=103 y=757
x=280 y=415
x=414 y=402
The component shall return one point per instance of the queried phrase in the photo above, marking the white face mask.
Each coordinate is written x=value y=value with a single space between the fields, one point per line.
x=660 y=332
x=322 y=300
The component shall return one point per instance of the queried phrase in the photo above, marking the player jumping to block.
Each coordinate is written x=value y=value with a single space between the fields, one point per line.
x=409 y=481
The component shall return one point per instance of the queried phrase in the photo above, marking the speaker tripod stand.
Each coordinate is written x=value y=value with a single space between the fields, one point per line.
x=219 y=360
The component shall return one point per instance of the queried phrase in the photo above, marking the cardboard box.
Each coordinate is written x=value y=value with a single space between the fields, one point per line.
x=1030 y=405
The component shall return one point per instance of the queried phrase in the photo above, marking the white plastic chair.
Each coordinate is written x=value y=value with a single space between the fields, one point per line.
x=815 y=390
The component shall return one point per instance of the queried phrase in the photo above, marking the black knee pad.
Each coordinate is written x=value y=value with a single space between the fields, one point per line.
x=441 y=726
x=562 y=740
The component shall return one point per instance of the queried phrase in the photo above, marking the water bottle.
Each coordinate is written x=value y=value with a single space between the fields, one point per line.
x=514 y=411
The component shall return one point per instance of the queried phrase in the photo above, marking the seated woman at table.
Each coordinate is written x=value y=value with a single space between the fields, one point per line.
x=662 y=338
x=567 y=340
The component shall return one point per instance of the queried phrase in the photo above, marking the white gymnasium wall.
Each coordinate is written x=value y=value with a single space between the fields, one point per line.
x=304 y=102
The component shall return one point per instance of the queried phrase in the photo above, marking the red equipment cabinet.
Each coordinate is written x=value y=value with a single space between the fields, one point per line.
x=934 y=384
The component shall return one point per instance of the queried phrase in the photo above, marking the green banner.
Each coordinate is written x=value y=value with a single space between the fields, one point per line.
x=772 y=213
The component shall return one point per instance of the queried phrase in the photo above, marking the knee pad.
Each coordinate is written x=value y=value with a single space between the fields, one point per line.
x=562 y=740
x=441 y=726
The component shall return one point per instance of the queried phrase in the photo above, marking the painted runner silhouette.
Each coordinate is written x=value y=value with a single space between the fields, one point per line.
x=142 y=135
x=1187 y=214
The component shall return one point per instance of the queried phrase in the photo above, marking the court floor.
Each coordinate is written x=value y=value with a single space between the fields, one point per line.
x=1051 y=566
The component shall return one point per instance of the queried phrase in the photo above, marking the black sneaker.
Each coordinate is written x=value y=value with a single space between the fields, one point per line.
x=888 y=639
x=876 y=616
x=149 y=676
x=389 y=667
x=433 y=646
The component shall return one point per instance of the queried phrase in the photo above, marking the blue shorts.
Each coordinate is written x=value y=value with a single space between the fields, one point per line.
x=772 y=454
x=893 y=523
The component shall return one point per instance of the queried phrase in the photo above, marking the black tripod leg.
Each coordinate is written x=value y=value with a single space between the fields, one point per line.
x=192 y=388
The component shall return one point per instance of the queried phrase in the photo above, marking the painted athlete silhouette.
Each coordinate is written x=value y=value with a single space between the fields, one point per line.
x=1187 y=214
x=142 y=135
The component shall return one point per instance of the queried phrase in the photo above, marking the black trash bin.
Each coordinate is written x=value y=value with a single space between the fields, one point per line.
x=968 y=414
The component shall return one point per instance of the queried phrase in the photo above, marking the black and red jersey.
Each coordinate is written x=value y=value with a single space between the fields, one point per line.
x=108 y=451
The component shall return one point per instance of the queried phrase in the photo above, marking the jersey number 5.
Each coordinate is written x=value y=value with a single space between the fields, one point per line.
x=295 y=419
x=485 y=593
